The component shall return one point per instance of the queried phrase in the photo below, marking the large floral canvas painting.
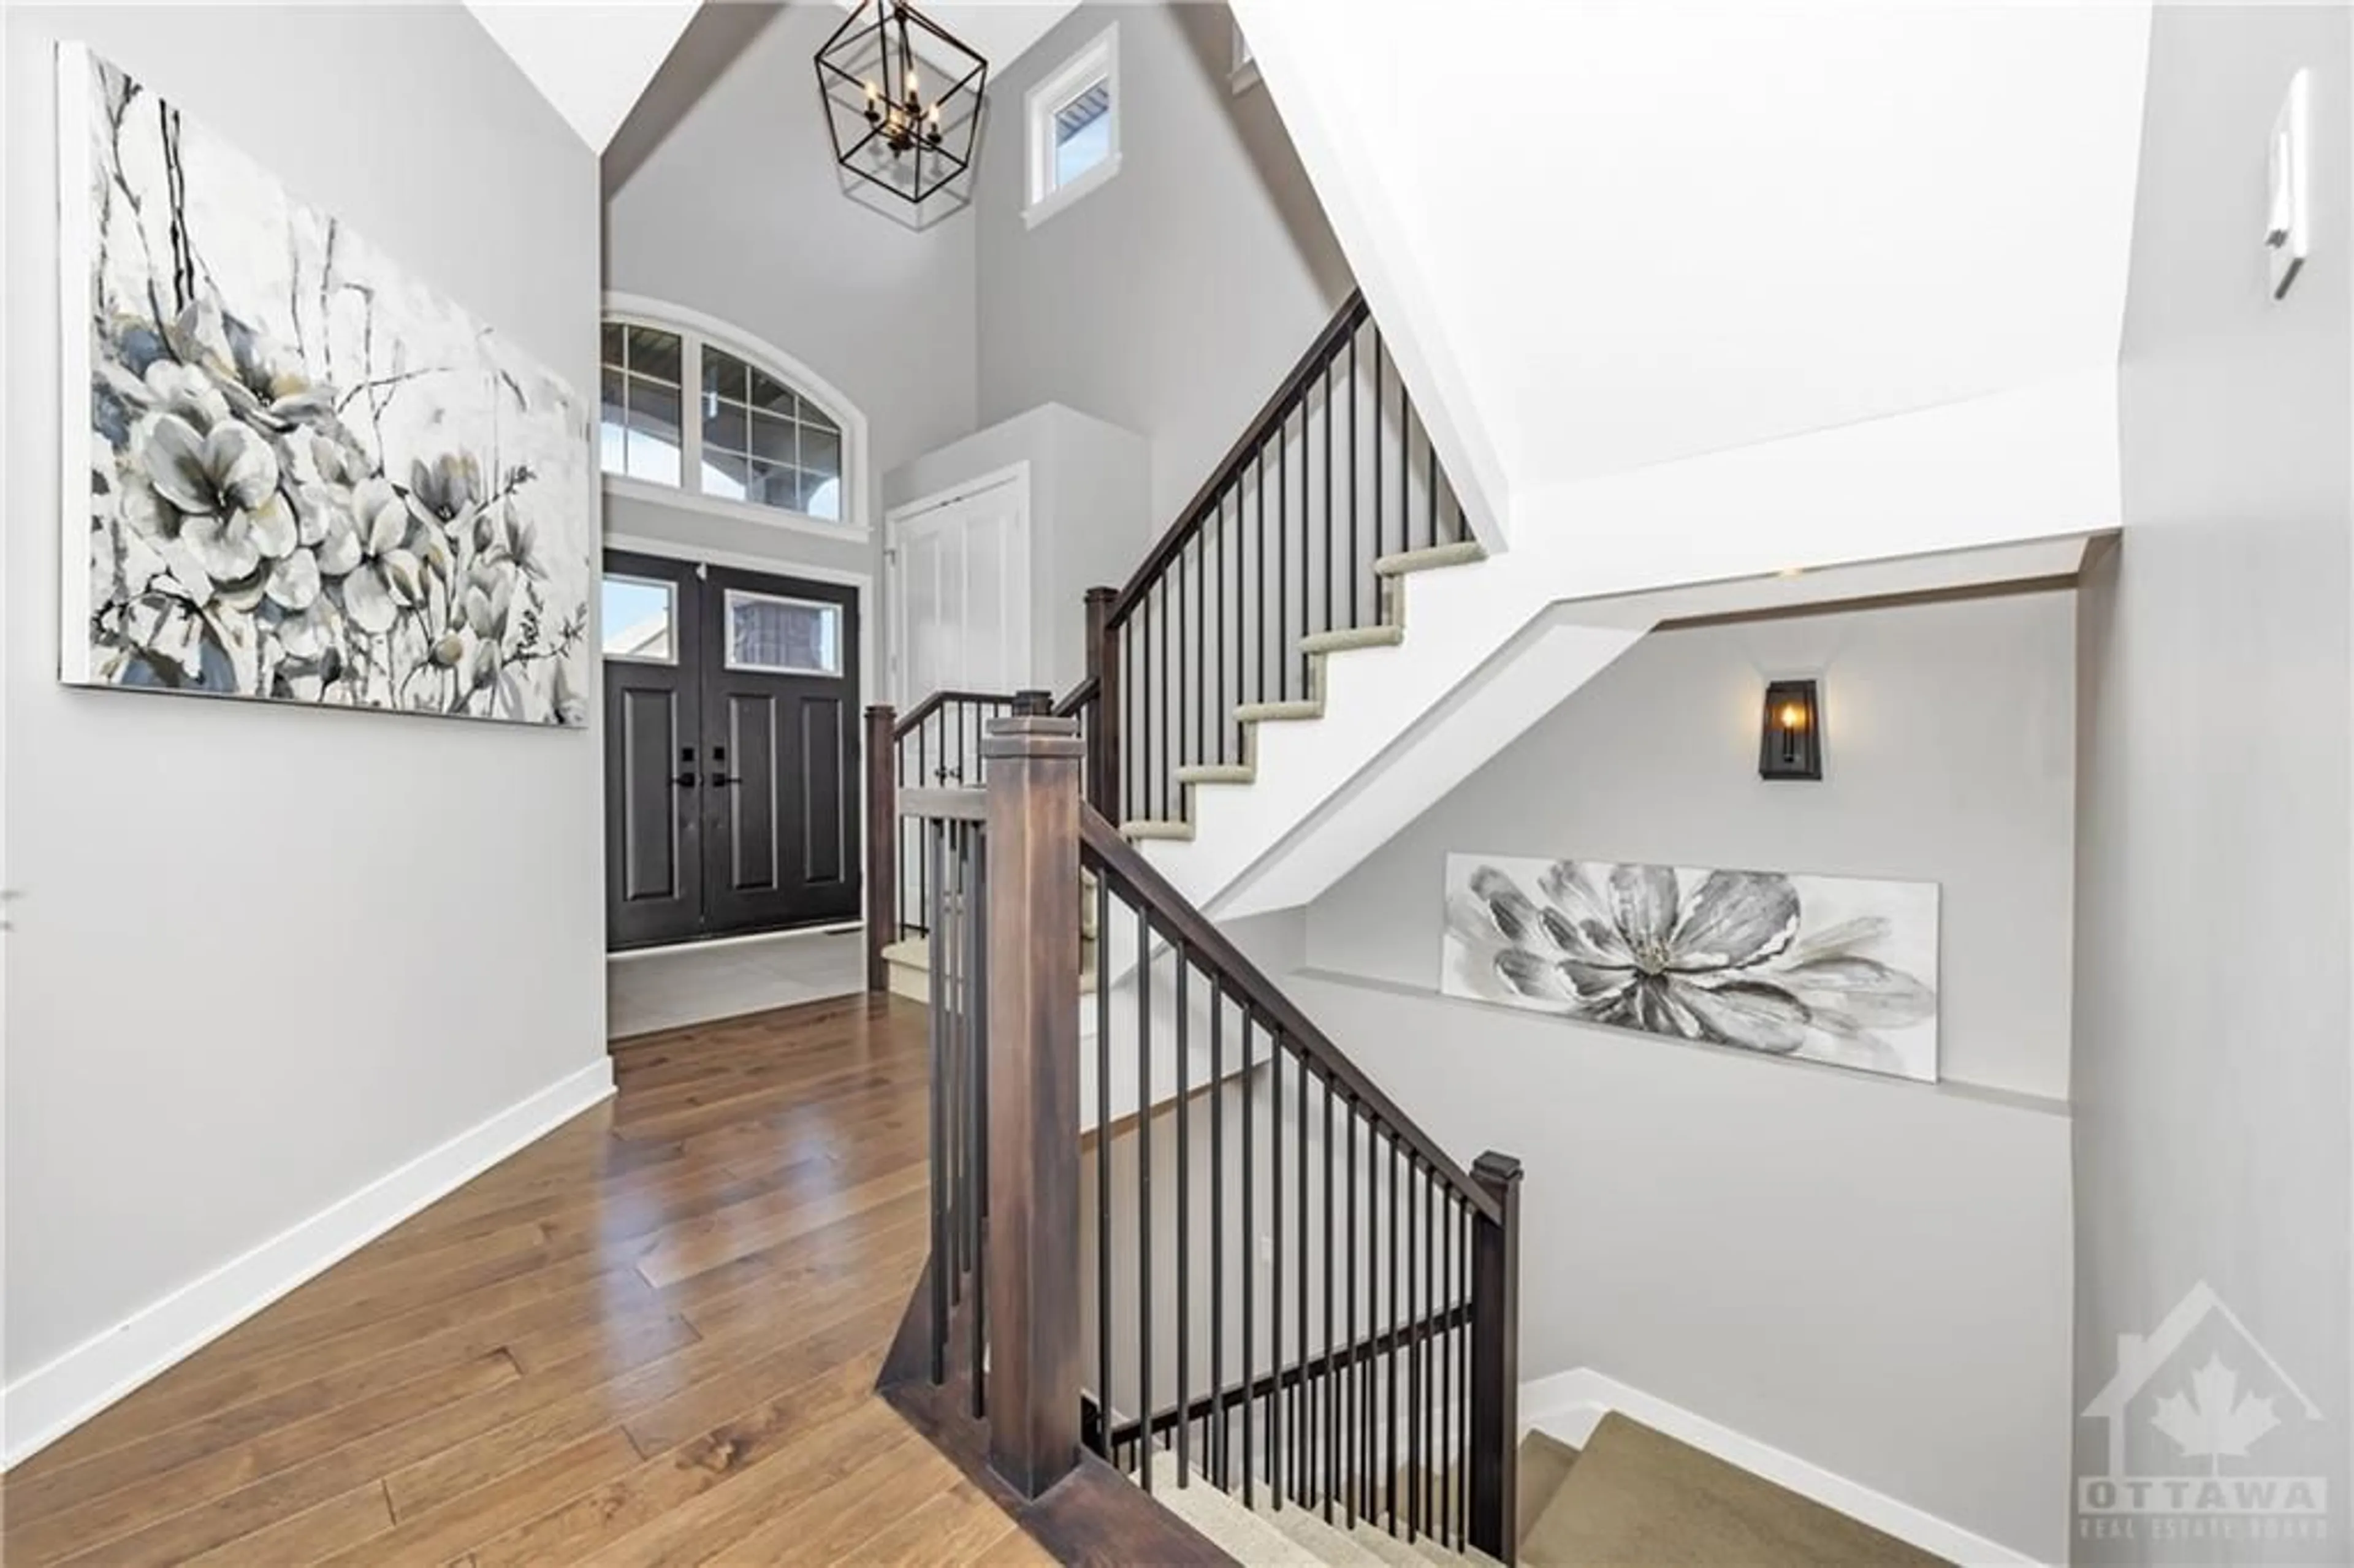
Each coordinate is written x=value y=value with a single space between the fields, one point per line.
x=1826 y=968
x=292 y=470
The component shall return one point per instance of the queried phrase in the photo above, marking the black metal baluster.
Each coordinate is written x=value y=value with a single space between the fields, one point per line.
x=1381 y=424
x=1431 y=447
x=1218 y=1223
x=1463 y=1376
x=1197 y=686
x=1275 y=1453
x=1184 y=1232
x=1332 y=1387
x=1155 y=609
x=1249 y=1240
x=1307 y=684
x=1144 y=1192
x=1103 y=1155
x=1445 y=1404
x=1406 y=496
x=1355 y=1373
x=1303 y=1442
x=1357 y=514
x=1415 y=1523
x=1283 y=562
x=1230 y=558
x=1390 y=1423
x=1429 y=1356
x=1332 y=561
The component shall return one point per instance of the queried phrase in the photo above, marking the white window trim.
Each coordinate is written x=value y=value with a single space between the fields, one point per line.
x=693 y=327
x=1099 y=61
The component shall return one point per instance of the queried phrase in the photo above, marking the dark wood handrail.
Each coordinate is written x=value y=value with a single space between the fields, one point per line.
x=1351 y=315
x=1309 y=1368
x=939 y=700
x=1077 y=698
x=1193 y=931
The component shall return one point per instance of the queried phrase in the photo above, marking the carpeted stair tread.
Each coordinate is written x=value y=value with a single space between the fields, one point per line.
x=1326 y=1544
x=1543 y=1464
x=1230 y=1527
x=1462 y=553
x=1216 y=773
x=1639 y=1498
x=1390 y=1549
x=1289 y=711
x=1138 y=830
x=1341 y=639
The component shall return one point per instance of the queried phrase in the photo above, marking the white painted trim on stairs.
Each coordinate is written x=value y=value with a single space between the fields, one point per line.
x=53 y=1399
x=1569 y=1405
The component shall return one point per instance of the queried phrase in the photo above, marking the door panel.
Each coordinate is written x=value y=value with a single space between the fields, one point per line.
x=826 y=844
x=653 y=837
x=783 y=845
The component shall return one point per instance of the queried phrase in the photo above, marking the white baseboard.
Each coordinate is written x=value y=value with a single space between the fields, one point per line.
x=1569 y=1405
x=53 y=1399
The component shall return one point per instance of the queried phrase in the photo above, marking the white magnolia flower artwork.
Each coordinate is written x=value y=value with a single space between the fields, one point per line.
x=1826 y=968
x=305 y=476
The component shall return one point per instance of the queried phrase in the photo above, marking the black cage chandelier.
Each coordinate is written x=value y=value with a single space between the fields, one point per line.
x=902 y=98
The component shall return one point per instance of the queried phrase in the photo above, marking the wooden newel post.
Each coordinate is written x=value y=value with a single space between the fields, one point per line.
x=1103 y=663
x=882 y=842
x=1033 y=768
x=1496 y=1360
x=1033 y=702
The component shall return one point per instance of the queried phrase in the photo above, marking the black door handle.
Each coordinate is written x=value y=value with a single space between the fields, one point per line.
x=721 y=780
x=682 y=781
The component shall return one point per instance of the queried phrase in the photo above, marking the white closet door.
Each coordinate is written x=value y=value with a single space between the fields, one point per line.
x=960 y=593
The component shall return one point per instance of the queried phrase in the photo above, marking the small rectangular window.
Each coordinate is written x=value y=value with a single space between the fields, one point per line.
x=771 y=635
x=1073 y=128
x=641 y=618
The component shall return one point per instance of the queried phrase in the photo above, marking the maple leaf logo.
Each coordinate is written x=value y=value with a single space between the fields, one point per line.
x=2216 y=1420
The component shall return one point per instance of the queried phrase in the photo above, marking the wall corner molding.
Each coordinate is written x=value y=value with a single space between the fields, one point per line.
x=53 y=1399
x=1568 y=1406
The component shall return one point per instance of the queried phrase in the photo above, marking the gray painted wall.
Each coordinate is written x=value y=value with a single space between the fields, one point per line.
x=2212 y=1107
x=738 y=212
x=262 y=956
x=1171 y=299
x=1869 y=1273
x=1948 y=758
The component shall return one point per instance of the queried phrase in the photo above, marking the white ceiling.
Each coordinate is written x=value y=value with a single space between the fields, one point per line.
x=590 y=62
x=1625 y=234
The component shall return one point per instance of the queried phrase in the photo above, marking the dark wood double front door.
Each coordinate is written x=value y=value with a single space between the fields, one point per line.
x=731 y=751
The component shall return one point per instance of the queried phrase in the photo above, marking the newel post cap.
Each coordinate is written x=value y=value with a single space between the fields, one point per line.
x=1026 y=736
x=1495 y=1171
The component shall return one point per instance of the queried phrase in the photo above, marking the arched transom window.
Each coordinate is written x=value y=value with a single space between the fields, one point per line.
x=689 y=410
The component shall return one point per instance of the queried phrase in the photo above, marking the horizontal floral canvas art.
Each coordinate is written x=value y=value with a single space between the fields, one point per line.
x=1826 y=969
x=294 y=472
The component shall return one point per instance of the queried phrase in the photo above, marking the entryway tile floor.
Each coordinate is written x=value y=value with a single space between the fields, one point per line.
x=668 y=987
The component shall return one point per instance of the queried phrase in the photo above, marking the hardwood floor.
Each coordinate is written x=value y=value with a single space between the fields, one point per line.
x=651 y=1337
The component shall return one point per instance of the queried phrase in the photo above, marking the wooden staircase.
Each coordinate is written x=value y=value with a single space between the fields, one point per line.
x=1302 y=1288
